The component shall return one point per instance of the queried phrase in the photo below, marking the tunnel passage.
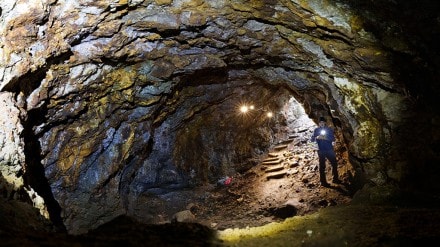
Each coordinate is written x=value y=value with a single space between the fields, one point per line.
x=127 y=149
x=222 y=137
x=125 y=141
x=139 y=99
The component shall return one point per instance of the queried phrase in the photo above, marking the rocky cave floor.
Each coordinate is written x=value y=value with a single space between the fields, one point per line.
x=242 y=204
x=267 y=193
x=255 y=209
x=283 y=183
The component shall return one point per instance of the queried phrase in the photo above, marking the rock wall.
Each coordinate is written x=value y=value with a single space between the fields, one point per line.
x=121 y=98
x=11 y=147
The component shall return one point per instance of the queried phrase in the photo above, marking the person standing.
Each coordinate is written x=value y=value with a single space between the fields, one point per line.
x=324 y=137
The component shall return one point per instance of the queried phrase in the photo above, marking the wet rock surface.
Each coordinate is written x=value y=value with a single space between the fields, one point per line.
x=116 y=108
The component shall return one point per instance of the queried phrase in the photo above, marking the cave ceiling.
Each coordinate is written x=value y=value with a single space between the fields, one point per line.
x=108 y=98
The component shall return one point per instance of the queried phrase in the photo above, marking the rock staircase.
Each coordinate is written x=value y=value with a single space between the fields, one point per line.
x=277 y=163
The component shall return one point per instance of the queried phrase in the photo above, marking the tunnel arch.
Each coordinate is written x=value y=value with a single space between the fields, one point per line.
x=139 y=166
x=101 y=100
x=254 y=94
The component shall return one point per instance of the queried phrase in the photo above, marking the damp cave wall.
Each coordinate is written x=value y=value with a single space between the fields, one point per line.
x=158 y=76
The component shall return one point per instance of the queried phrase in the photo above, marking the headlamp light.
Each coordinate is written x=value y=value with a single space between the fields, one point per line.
x=322 y=132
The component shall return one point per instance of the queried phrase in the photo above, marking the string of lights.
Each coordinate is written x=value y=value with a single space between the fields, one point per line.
x=244 y=109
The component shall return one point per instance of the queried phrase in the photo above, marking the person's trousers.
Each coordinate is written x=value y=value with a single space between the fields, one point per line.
x=331 y=157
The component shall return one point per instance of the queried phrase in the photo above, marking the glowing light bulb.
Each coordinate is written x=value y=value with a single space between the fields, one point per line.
x=251 y=107
x=244 y=109
x=269 y=114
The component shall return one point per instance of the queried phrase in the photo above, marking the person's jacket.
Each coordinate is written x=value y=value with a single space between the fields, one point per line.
x=324 y=144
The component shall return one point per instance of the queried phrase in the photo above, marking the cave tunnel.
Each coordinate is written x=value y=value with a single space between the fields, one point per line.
x=188 y=123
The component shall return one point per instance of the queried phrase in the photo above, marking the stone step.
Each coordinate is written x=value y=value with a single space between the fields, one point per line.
x=274 y=162
x=276 y=175
x=286 y=141
x=270 y=159
x=273 y=154
x=280 y=147
x=274 y=168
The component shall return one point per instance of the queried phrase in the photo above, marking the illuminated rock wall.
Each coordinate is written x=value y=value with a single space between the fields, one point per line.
x=120 y=98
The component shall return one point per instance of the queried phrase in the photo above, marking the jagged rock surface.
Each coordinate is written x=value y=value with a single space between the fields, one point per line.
x=110 y=103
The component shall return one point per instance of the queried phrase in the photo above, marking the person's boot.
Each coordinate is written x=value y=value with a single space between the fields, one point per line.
x=322 y=177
